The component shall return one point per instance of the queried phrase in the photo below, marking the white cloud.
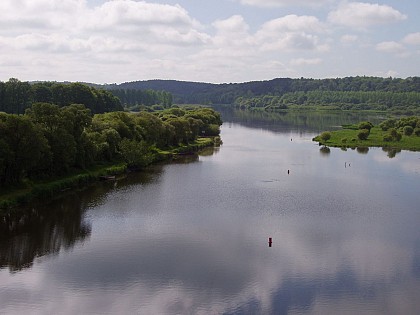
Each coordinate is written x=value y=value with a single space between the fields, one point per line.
x=234 y=24
x=361 y=15
x=305 y=62
x=390 y=47
x=281 y=3
x=348 y=39
x=39 y=15
x=134 y=39
x=412 y=39
x=395 y=48
x=293 y=23
x=291 y=33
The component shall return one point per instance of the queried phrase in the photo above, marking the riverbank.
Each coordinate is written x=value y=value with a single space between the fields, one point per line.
x=348 y=138
x=53 y=188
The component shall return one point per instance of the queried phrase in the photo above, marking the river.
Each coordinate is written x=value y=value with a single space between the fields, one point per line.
x=191 y=237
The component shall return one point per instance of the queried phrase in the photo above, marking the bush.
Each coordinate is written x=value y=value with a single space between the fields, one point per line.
x=365 y=125
x=387 y=124
x=388 y=138
x=417 y=132
x=326 y=135
x=344 y=140
x=398 y=136
x=363 y=134
x=408 y=130
x=393 y=132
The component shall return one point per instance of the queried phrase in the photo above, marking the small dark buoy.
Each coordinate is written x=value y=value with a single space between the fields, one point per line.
x=288 y=171
x=270 y=241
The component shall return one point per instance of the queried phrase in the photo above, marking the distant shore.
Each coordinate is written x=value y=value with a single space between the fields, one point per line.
x=402 y=134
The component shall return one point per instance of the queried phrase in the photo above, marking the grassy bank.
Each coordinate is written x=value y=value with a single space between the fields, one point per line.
x=49 y=189
x=348 y=138
x=52 y=188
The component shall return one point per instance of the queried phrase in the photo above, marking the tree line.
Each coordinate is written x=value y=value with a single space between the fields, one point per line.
x=17 y=96
x=355 y=100
x=132 y=98
x=51 y=140
x=207 y=93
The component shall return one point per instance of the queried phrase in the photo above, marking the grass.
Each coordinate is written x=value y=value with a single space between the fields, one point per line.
x=347 y=137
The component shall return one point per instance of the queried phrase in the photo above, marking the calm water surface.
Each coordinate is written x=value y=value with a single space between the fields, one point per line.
x=192 y=237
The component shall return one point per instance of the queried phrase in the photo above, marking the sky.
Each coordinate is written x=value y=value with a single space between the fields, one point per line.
x=216 y=41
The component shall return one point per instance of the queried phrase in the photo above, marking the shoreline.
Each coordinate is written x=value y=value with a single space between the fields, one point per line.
x=348 y=138
x=51 y=189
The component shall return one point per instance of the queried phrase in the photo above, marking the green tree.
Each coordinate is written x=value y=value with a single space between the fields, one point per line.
x=408 y=130
x=23 y=148
x=326 y=135
x=57 y=126
x=17 y=96
x=135 y=153
x=363 y=134
x=365 y=125
x=387 y=124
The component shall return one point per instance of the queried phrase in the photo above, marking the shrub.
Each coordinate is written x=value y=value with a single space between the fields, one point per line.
x=408 y=130
x=398 y=136
x=363 y=134
x=353 y=140
x=417 y=132
x=388 y=138
x=387 y=124
x=344 y=140
x=393 y=132
x=365 y=125
x=326 y=135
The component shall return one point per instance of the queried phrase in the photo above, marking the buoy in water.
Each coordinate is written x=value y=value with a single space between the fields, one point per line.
x=270 y=241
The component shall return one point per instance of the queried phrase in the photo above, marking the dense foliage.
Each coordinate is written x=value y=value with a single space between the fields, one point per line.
x=132 y=97
x=344 y=93
x=360 y=100
x=17 y=96
x=49 y=140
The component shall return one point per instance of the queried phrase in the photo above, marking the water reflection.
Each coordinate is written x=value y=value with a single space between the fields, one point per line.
x=41 y=231
x=362 y=150
x=325 y=151
x=296 y=121
x=391 y=152
x=191 y=238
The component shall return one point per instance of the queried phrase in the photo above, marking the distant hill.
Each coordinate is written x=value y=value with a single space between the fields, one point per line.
x=208 y=93
x=172 y=86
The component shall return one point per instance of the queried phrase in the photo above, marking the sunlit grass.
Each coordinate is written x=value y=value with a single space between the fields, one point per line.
x=347 y=137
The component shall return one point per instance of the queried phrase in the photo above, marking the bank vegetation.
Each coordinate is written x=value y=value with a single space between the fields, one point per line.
x=394 y=133
x=52 y=147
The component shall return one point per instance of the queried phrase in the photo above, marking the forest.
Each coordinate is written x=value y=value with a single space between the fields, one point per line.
x=139 y=99
x=349 y=100
x=16 y=96
x=50 y=140
x=340 y=93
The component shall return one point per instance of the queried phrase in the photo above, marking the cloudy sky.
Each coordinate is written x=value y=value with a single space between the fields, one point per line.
x=114 y=41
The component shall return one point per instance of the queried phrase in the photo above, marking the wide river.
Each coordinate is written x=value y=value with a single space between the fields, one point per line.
x=191 y=237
